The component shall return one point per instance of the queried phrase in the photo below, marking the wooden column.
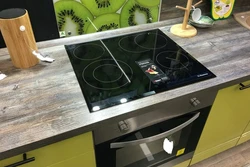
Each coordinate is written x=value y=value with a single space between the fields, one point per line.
x=185 y=30
x=18 y=36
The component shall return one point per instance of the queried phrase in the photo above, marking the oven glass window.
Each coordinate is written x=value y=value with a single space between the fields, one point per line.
x=155 y=151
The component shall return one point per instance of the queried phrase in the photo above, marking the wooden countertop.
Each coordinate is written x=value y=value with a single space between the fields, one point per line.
x=49 y=106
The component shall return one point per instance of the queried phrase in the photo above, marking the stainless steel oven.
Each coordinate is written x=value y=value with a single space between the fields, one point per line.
x=165 y=136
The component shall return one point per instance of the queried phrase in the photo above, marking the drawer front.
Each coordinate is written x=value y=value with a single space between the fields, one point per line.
x=83 y=160
x=57 y=152
x=11 y=160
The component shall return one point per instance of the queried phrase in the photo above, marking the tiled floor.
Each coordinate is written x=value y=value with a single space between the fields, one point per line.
x=235 y=157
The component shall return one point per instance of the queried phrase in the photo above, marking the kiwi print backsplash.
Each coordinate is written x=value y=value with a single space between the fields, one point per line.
x=77 y=17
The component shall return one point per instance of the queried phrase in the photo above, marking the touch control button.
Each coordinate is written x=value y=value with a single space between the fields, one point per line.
x=123 y=126
x=194 y=102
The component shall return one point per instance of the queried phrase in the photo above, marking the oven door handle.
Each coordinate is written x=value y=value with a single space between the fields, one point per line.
x=156 y=137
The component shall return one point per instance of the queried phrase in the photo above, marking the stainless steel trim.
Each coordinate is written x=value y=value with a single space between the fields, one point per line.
x=156 y=137
x=155 y=114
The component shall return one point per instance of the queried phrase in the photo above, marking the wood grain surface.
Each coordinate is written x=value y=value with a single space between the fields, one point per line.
x=48 y=105
x=20 y=44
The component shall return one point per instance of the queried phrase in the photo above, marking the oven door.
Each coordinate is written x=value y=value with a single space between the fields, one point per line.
x=153 y=145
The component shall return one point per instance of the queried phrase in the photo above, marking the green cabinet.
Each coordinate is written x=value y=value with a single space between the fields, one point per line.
x=86 y=159
x=77 y=151
x=245 y=136
x=184 y=164
x=228 y=118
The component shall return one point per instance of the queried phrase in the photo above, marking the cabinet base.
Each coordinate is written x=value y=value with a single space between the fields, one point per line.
x=245 y=137
x=213 y=151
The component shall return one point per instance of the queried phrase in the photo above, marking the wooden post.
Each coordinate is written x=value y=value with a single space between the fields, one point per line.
x=185 y=30
x=186 y=16
x=18 y=36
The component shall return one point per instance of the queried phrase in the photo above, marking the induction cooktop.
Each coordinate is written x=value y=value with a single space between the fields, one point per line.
x=125 y=68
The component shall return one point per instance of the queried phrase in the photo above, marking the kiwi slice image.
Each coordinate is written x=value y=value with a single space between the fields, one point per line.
x=72 y=17
x=149 y=3
x=99 y=7
x=104 y=22
x=134 y=14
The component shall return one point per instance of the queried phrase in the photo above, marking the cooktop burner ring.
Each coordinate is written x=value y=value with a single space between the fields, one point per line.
x=174 y=60
x=106 y=81
x=121 y=63
x=156 y=35
x=141 y=50
x=97 y=48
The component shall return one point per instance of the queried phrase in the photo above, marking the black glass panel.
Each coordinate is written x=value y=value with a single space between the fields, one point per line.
x=109 y=74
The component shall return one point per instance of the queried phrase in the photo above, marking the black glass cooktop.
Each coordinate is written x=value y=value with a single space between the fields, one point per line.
x=125 y=68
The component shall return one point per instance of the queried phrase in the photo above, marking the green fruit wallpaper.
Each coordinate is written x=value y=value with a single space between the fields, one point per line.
x=77 y=17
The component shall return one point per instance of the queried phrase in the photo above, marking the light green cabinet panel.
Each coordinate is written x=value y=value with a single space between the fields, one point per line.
x=11 y=160
x=56 y=152
x=245 y=136
x=213 y=151
x=228 y=118
x=184 y=164
x=248 y=126
x=84 y=160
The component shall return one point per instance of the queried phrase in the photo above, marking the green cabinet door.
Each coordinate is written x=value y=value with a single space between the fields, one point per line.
x=184 y=164
x=83 y=160
x=245 y=136
x=226 y=122
x=62 y=152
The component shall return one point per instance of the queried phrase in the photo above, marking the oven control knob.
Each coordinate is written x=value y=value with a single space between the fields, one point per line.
x=195 y=102
x=123 y=126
